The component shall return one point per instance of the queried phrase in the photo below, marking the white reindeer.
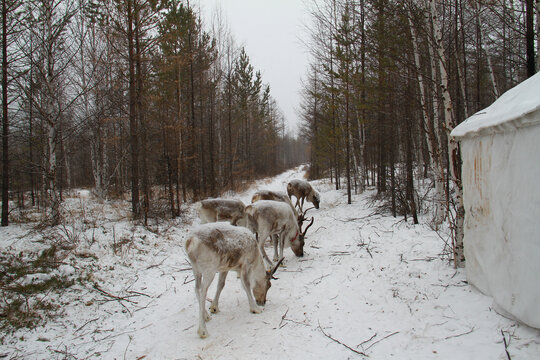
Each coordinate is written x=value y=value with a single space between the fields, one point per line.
x=212 y=210
x=274 y=218
x=302 y=190
x=221 y=247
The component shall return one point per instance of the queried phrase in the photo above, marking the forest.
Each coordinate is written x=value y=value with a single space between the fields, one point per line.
x=143 y=98
x=136 y=98
x=389 y=80
x=119 y=117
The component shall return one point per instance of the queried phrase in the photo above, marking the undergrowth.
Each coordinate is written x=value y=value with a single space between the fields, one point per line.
x=26 y=285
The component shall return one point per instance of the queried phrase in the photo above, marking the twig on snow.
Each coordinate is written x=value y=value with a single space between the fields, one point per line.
x=294 y=321
x=506 y=344
x=458 y=335
x=366 y=341
x=318 y=280
x=428 y=259
x=86 y=323
x=114 y=297
x=138 y=293
x=378 y=341
x=283 y=318
x=339 y=253
x=127 y=346
x=363 y=244
x=339 y=342
x=369 y=252
x=157 y=265
x=67 y=355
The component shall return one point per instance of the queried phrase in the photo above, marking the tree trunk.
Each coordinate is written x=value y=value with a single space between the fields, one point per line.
x=488 y=57
x=54 y=197
x=141 y=123
x=529 y=15
x=437 y=166
x=537 y=34
x=133 y=117
x=450 y=123
x=5 y=120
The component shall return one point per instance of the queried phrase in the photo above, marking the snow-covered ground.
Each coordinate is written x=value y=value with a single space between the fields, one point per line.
x=367 y=284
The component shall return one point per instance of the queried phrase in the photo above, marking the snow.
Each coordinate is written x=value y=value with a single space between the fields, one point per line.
x=372 y=282
x=518 y=107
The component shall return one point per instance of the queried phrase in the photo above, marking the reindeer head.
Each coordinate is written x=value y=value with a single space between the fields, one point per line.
x=262 y=285
x=297 y=244
x=316 y=199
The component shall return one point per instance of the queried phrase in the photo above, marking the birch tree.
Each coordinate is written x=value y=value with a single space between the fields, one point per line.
x=55 y=51
x=11 y=18
x=430 y=131
x=450 y=123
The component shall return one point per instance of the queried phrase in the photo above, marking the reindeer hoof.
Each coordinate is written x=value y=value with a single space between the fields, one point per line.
x=214 y=309
x=256 y=310
x=203 y=333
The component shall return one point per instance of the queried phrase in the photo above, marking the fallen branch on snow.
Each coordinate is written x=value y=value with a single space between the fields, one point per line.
x=366 y=341
x=506 y=344
x=458 y=335
x=339 y=253
x=378 y=341
x=114 y=297
x=339 y=342
x=284 y=318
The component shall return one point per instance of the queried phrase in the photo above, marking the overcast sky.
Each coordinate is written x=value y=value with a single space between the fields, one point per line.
x=270 y=31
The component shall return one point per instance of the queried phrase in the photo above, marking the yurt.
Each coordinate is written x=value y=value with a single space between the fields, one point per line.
x=500 y=149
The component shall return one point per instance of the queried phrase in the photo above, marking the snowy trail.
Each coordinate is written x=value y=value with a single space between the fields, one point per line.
x=371 y=282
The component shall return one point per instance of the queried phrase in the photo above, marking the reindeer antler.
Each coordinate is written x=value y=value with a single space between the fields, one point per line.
x=302 y=217
x=273 y=270
x=307 y=227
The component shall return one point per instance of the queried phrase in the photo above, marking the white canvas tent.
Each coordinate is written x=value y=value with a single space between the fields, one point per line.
x=500 y=148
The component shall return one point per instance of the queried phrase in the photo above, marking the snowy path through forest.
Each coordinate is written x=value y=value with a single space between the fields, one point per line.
x=368 y=283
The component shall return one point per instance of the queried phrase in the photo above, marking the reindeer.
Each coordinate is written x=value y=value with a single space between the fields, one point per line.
x=273 y=195
x=221 y=247
x=212 y=210
x=281 y=196
x=276 y=219
x=302 y=190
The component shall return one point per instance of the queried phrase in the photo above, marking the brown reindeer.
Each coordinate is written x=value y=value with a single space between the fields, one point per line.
x=302 y=190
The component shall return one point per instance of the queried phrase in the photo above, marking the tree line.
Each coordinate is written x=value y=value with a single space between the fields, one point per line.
x=134 y=97
x=389 y=80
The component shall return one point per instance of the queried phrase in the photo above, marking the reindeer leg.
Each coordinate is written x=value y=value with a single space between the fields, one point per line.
x=244 y=277
x=202 y=327
x=214 y=308
x=203 y=314
x=281 y=245
x=261 y=249
x=275 y=239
